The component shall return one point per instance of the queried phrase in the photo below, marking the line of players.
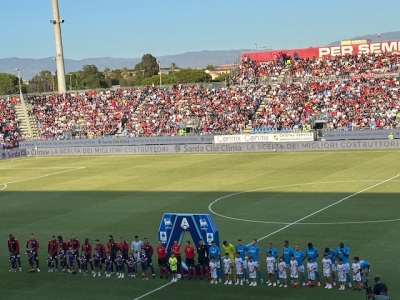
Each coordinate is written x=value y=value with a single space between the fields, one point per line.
x=240 y=262
x=65 y=255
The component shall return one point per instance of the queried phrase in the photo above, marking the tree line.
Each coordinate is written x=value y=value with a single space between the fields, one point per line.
x=146 y=72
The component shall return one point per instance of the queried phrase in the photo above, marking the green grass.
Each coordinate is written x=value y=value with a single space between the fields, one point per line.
x=127 y=195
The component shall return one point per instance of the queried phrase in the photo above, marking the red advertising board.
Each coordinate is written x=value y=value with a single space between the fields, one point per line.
x=390 y=46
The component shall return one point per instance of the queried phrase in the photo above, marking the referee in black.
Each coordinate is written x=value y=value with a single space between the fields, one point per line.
x=202 y=254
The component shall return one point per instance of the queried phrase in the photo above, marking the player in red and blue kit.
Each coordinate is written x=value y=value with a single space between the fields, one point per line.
x=63 y=261
x=75 y=245
x=96 y=262
x=50 y=263
x=13 y=247
x=72 y=259
x=83 y=262
x=30 y=253
x=108 y=264
x=149 y=252
x=120 y=264
x=113 y=249
x=35 y=246
x=52 y=250
x=87 y=248
x=131 y=265
x=144 y=261
x=13 y=261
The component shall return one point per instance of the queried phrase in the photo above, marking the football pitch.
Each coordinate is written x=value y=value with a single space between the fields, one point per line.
x=318 y=197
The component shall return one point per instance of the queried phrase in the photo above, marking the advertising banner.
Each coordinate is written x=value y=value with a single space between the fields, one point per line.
x=161 y=140
x=13 y=153
x=219 y=148
x=309 y=52
x=266 y=137
x=360 y=134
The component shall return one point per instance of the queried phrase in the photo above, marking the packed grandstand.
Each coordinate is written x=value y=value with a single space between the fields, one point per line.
x=351 y=92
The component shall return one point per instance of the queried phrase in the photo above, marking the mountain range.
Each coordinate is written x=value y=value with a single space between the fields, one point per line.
x=378 y=37
x=199 y=59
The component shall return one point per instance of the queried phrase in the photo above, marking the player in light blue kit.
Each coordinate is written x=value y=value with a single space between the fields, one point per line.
x=365 y=270
x=215 y=252
x=332 y=257
x=242 y=249
x=300 y=257
x=343 y=252
x=254 y=252
x=312 y=252
x=287 y=251
x=274 y=253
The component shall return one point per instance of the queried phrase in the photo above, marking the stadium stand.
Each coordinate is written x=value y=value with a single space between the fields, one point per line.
x=147 y=112
x=9 y=131
x=348 y=104
x=351 y=91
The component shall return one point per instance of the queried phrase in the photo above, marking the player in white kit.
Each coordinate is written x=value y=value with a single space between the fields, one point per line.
x=282 y=272
x=136 y=247
x=341 y=271
x=327 y=270
x=271 y=264
x=213 y=271
x=239 y=269
x=227 y=263
x=294 y=271
x=311 y=268
x=356 y=267
x=252 y=266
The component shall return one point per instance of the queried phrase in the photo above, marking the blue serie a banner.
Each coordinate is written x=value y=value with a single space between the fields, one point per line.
x=200 y=226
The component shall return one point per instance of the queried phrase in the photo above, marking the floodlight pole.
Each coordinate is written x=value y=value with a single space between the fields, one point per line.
x=59 y=58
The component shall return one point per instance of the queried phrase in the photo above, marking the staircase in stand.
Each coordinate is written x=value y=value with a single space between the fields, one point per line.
x=267 y=99
x=24 y=123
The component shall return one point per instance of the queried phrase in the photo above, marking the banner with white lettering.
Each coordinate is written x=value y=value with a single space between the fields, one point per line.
x=219 y=148
x=360 y=134
x=160 y=140
x=326 y=51
x=266 y=137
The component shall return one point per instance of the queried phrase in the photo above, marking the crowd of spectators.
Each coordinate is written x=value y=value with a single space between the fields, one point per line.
x=346 y=100
x=207 y=110
x=250 y=70
x=88 y=115
x=9 y=126
x=347 y=104
x=150 y=111
x=345 y=65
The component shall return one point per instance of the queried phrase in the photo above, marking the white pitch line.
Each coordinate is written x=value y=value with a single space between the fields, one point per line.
x=328 y=206
x=288 y=225
x=38 y=168
x=42 y=176
x=4 y=186
x=276 y=187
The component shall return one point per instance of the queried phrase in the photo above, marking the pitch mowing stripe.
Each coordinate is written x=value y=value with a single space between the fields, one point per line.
x=287 y=225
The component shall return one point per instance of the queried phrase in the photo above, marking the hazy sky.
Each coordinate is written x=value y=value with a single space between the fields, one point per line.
x=130 y=28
